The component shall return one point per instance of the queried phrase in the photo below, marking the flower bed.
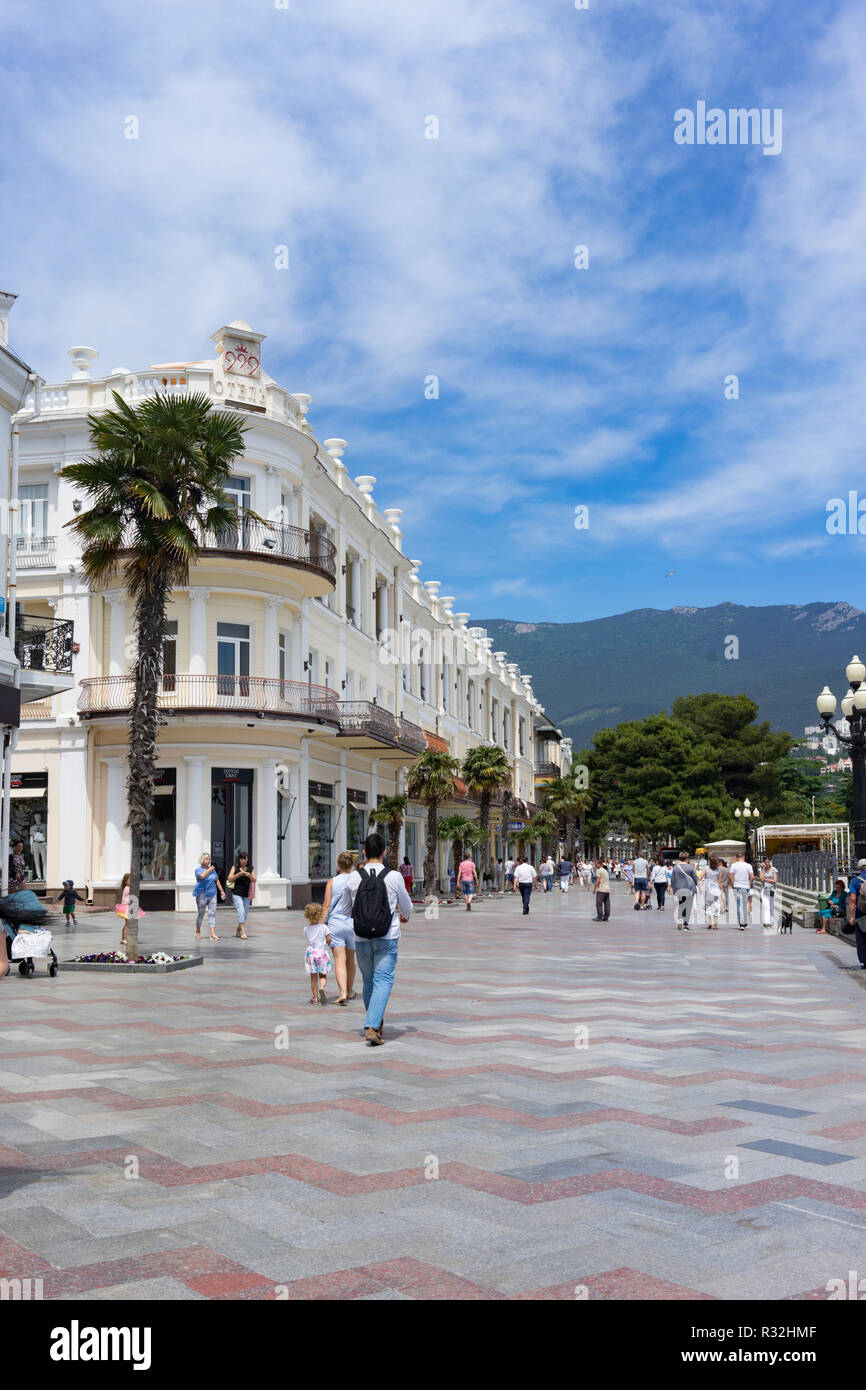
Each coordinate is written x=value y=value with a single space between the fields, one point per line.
x=158 y=963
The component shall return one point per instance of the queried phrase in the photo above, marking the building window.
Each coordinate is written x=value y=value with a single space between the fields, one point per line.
x=521 y=729
x=321 y=800
x=356 y=819
x=233 y=659
x=238 y=490
x=33 y=511
x=158 y=842
x=470 y=704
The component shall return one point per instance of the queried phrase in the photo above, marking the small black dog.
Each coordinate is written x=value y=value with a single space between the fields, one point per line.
x=787 y=922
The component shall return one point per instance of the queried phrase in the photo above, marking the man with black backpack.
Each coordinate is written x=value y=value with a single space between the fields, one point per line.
x=857 y=910
x=377 y=901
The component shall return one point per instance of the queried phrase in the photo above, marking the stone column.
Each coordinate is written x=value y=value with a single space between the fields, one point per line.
x=271 y=662
x=113 y=866
x=197 y=815
x=266 y=834
x=117 y=662
x=198 y=633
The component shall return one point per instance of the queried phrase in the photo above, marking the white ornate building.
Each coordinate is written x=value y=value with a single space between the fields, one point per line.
x=306 y=664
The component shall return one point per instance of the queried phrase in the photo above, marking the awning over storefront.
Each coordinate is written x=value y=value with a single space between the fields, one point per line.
x=435 y=743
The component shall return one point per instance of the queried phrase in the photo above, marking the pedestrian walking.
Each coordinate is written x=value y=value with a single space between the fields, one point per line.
x=724 y=879
x=659 y=878
x=498 y=875
x=241 y=883
x=769 y=879
x=640 y=870
x=376 y=900
x=684 y=886
x=467 y=877
x=565 y=868
x=339 y=925
x=547 y=870
x=525 y=876
x=712 y=895
x=741 y=879
x=509 y=875
x=406 y=870
x=857 y=910
x=70 y=898
x=207 y=885
x=317 y=961
x=602 y=894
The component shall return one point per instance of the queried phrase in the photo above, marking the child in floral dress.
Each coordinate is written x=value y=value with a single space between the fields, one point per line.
x=317 y=961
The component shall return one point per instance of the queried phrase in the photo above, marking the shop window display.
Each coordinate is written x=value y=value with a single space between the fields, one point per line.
x=157 y=848
x=29 y=821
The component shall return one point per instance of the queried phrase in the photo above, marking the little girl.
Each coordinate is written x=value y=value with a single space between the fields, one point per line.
x=122 y=908
x=317 y=961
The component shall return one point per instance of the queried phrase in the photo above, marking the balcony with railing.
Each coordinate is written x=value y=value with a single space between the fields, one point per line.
x=35 y=552
x=268 y=696
x=45 y=648
x=364 y=719
x=543 y=769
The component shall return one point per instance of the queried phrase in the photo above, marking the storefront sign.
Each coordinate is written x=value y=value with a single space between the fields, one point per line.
x=517 y=825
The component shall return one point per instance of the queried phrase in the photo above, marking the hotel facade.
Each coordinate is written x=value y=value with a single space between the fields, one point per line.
x=305 y=667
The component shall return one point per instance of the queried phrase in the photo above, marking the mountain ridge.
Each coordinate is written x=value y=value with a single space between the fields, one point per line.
x=603 y=671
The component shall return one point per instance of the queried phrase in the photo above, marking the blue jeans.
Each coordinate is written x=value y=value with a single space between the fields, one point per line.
x=742 y=895
x=242 y=907
x=377 y=961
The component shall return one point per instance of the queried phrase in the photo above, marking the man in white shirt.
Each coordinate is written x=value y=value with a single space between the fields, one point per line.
x=525 y=876
x=742 y=878
x=640 y=868
x=377 y=957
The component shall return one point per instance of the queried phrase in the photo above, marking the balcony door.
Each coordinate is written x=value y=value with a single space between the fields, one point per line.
x=238 y=490
x=32 y=518
x=233 y=660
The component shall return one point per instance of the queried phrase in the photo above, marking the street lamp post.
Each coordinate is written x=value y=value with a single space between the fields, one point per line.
x=749 y=812
x=854 y=710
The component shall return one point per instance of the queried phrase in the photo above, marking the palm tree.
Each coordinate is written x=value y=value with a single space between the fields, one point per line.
x=486 y=770
x=389 y=816
x=462 y=833
x=431 y=779
x=543 y=826
x=157 y=486
x=569 y=802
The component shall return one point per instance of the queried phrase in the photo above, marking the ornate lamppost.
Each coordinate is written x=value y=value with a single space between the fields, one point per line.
x=749 y=813
x=854 y=710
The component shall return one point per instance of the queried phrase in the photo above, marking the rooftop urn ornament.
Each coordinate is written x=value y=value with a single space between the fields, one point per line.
x=303 y=402
x=446 y=603
x=461 y=618
x=335 y=449
x=365 y=482
x=433 y=586
x=83 y=359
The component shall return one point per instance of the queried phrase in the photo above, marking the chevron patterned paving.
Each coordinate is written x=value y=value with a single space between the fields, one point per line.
x=548 y=1120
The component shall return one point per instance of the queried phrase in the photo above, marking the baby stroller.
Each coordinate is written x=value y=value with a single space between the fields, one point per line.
x=27 y=937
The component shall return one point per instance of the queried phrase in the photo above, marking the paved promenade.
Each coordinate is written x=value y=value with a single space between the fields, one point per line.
x=563 y=1109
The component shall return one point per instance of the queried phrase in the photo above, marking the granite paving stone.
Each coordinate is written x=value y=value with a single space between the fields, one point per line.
x=479 y=1153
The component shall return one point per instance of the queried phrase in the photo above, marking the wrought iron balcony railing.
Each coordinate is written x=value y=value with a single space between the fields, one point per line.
x=293 y=544
x=44 y=645
x=266 y=695
x=547 y=770
x=365 y=717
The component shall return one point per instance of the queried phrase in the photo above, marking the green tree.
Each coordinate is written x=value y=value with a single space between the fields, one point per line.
x=156 y=483
x=389 y=816
x=569 y=801
x=544 y=826
x=486 y=770
x=461 y=831
x=431 y=780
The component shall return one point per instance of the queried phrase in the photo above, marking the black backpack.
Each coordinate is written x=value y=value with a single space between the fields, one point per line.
x=371 y=912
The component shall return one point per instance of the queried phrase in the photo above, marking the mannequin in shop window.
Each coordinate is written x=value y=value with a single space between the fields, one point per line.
x=38 y=845
x=160 y=864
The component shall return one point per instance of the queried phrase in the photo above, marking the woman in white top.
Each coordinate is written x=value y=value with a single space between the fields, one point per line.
x=659 y=879
x=713 y=894
x=340 y=928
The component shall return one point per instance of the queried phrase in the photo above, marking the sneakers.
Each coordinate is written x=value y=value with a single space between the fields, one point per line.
x=374 y=1037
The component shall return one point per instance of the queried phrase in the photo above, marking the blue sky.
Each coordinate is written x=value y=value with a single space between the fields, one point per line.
x=410 y=257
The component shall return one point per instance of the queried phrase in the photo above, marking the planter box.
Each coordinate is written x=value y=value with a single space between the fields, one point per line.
x=130 y=969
